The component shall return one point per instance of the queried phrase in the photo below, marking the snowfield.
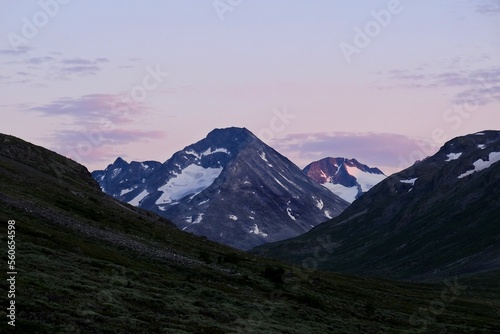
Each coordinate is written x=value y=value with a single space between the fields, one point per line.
x=347 y=193
x=192 y=180
x=366 y=180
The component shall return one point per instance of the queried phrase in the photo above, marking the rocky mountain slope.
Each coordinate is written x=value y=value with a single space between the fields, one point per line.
x=229 y=187
x=346 y=178
x=438 y=218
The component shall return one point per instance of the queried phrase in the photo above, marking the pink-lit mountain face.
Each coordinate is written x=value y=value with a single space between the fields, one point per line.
x=347 y=178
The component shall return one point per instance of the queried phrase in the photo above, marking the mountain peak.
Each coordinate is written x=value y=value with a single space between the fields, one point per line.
x=225 y=136
x=471 y=142
x=120 y=161
x=231 y=129
x=230 y=187
x=347 y=178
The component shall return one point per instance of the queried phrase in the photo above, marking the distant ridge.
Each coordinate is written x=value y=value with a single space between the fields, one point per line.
x=346 y=178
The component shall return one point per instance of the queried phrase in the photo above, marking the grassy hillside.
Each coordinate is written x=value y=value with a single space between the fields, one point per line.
x=88 y=264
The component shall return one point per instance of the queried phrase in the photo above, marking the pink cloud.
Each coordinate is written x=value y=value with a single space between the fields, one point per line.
x=116 y=108
x=100 y=126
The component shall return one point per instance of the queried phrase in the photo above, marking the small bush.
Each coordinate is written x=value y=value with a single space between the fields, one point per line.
x=204 y=256
x=310 y=300
x=370 y=307
x=275 y=275
x=229 y=258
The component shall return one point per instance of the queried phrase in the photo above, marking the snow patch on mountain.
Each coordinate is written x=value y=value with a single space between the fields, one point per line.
x=319 y=203
x=137 y=200
x=191 y=152
x=204 y=202
x=116 y=171
x=409 y=181
x=257 y=231
x=480 y=164
x=281 y=184
x=126 y=191
x=217 y=150
x=198 y=219
x=192 y=180
x=189 y=220
x=453 y=156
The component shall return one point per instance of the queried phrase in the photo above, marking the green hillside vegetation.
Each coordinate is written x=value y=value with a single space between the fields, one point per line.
x=89 y=264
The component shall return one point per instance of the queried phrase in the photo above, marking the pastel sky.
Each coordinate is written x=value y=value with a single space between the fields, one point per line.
x=386 y=82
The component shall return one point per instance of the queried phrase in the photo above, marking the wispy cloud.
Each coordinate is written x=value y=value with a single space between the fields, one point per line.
x=66 y=67
x=84 y=70
x=383 y=150
x=477 y=87
x=87 y=108
x=80 y=61
x=491 y=7
x=15 y=52
x=53 y=67
x=39 y=60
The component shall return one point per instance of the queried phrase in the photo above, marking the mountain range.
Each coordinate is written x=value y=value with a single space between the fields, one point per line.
x=229 y=187
x=435 y=219
x=88 y=263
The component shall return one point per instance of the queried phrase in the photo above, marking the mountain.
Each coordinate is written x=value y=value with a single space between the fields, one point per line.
x=87 y=263
x=346 y=178
x=229 y=187
x=438 y=218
